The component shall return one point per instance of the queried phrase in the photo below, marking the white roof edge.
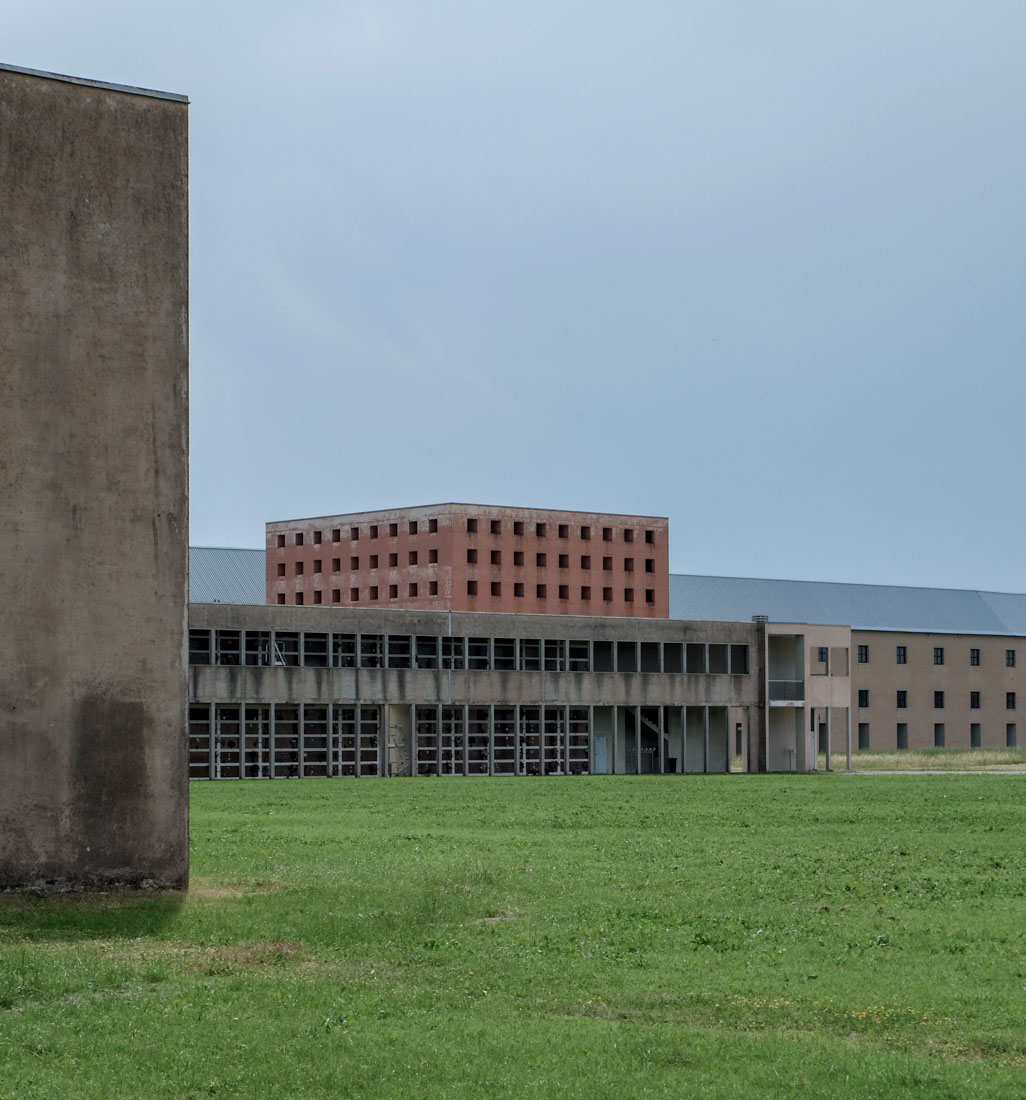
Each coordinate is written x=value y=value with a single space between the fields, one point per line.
x=128 y=89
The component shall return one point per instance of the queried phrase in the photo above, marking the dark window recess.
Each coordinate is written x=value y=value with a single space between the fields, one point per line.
x=354 y=563
x=901 y=655
x=650 y=537
x=938 y=700
x=628 y=565
x=336 y=534
x=518 y=588
x=281 y=597
x=518 y=527
x=336 y=595
x=974 y=700
x=938 y=735
x=540 y=530
x=299 y=599
x=564 y=561
x=496 y=557
x=649 y=595
x=432 y=557
x=412 y=557
x=317 y=595
x=354 y=595
x=902 y=700
x=496 y=527
x=539 y=559
x=471 y=526
x=373 y=561
x=472 y=556
x=393 y=560
x=432 y=588
x=317 y=565
x=413 y=527
x=281 y=569
x=393 y=530
x=585 y=561
x=585 y=533
x=863 y=655
x=317 y=538
x=938 y=655
x=564 y=591
x=471 y=588
x=496 y=588
x=299 y=540
x=607 y=534
x=564 y=531
x=628 y=535
x=518 y=557
x=607 y=564
x=607 y=595
x=413 y=588
x=628 y=595
x=1009 y=700
x=281 y=540
x=585 y=592
x=373 y=591
x=902 y=735
x=1010 y=658
x=975 y=735
x=374 y=531
x=863 y=736
x=354 y=533
x=863 y=697
x=823 y=654
x=649 y=565
x=299 y=568
x=432 y=526
x=540 y=591
x=974 y=657
x=336 y=565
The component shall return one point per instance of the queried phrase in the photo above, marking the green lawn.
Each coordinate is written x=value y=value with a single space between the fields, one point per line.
x=735 y=936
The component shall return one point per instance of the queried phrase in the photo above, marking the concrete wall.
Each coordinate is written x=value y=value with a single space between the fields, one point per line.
x=93 y=484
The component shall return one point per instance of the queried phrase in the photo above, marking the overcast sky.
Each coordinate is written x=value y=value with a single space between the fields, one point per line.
x=757 y=266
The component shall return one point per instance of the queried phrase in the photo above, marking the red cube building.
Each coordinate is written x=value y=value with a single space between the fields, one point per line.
x=474 y=557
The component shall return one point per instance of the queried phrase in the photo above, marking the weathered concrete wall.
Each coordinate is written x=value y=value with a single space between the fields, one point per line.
x=93 y=484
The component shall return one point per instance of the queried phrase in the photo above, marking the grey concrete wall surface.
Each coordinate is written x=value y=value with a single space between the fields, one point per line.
x=93 y=485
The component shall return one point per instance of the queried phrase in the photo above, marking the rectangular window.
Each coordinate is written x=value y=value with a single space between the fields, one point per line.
x=585 y=592
x=823 y=654
x=299 y=568
x=432 y=526
x=974 y=657
x=393 y=560
x=472 y=556
x=586 y=533
x=585 y=561
x=299 y=540
x=564 y=531
x=1009 y=700
x=540 y=530
x=299 y=598
x=650 y=537
x=281 y=569
x=902 y=655
x=432 y=557
x=607 y=564
x=975 y=735
x=413 y=588
x=281 y=540
x=317 y=596
x=938 y=655
x=1010 y=658
x=607 y=534
x=317 y=565
x=938 y=735
x=628 y=535
x=373 y=591
x=496 y=527
x=336 y=534
x=564 y=591
x=496 y=588
x=336 y=595
x=471 y=526
x=649 y=595
x=1010 y=738
x=393 y=591
x=974 y=700
x=564 y=561
x=317 y=538
x=354 y=563
x=863 y=655
x=902 y=735
x=412 y=557
x=607 y=595
x=540 y=591
x=518 y=588
x=373 y=560
x=938 y=700
x=518 y=527
x=649 y=565
x=354 y=595
x=863 y=736
x=902 y=700
x=413 y=527
x=539 y=560
x=354 y=533
x=393 y=530
x=496 y=557
x=373 y=530
x=471 y=588
x=336 y=565
x=518 y=557
x=432 y=588
x=628 y=565
x=863 y=697
x=628 y=595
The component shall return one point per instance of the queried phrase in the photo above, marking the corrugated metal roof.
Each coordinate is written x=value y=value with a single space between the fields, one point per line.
x=223 y=575
x=863 y=606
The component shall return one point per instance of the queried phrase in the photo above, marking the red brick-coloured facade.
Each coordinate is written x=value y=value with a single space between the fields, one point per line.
x=474 y=557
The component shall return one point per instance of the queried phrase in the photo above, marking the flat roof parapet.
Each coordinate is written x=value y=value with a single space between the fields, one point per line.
x=128 y=89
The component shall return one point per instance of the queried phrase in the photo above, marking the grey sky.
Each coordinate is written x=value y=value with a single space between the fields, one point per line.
x=755 y=266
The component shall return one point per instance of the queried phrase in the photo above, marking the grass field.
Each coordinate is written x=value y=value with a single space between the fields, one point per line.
x=734 y=936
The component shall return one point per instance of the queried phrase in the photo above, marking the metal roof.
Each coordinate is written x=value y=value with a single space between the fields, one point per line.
x=222 y=575
x=862 y=606
x=128 y=89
